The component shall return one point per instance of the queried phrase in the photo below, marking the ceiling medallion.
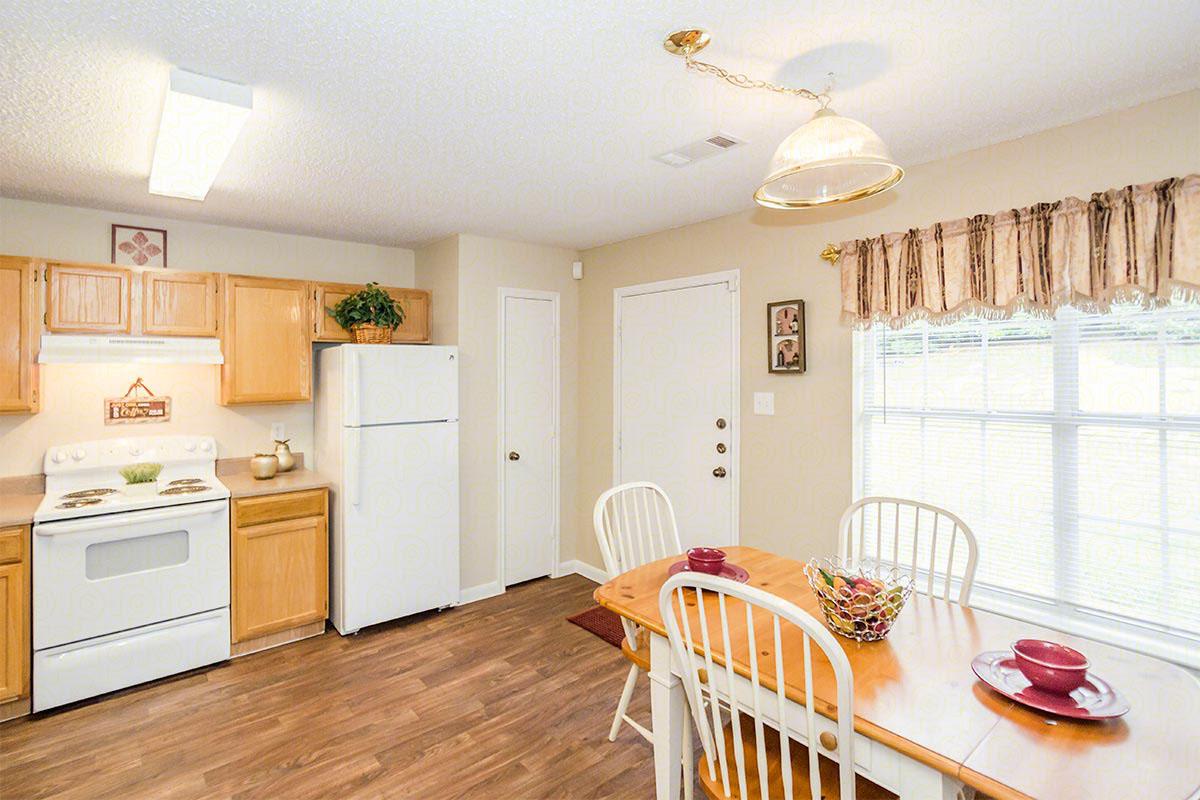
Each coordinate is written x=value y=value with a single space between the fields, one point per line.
x=829 y=159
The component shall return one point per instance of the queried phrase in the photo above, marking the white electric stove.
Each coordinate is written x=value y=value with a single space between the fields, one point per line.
x=130 y=583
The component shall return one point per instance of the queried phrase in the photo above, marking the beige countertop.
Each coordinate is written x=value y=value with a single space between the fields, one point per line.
x=243 y=484
x=18 y=508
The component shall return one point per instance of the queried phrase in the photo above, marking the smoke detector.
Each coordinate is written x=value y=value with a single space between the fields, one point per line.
x=698 y=151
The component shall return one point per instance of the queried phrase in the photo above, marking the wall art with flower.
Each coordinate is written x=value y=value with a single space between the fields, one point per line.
x=139 y=247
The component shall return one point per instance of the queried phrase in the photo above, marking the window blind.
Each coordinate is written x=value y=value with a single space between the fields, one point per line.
x=1071 y=446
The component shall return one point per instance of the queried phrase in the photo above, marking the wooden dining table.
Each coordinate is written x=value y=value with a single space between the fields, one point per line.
x=925 y=727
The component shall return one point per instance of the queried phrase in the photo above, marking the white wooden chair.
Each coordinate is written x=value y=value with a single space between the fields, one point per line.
x=746 y=757
x=635 y=524
x=899 y=535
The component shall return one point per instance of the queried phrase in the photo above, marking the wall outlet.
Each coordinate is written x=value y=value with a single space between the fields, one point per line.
x=278 y=431
x=764 y=403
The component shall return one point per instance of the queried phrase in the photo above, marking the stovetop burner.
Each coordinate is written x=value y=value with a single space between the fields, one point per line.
x=84 y=494
x=79 y=502
x=185 y=481
x=189 y=488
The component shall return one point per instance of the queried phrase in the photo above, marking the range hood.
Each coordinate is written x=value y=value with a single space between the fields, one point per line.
x=93 y=349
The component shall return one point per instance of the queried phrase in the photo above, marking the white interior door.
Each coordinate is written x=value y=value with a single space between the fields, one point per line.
x=676 y=403
x=529 y=331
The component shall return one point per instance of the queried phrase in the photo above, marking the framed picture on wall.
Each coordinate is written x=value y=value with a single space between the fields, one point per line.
x=139 y=247
x=785 y=337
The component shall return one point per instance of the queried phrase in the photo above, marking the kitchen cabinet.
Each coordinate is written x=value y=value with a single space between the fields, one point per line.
x=179 y=303
x=266 y=340
x=14 y=613
x=415 y=303
x=280 y=569
x=87 y=298
x=19 y=327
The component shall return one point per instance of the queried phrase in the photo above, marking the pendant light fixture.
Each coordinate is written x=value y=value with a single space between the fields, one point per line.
x=829 y=159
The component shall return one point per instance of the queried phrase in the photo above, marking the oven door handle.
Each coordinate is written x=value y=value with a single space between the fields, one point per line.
x=127 y=518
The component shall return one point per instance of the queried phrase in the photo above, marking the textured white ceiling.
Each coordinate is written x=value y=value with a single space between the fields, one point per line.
x=402 y=123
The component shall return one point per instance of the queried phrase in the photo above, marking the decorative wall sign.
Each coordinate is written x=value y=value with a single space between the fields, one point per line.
x=139 y=247
x=137 y=408
x=785 y=337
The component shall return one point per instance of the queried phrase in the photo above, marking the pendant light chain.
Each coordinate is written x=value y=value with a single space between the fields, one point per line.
x=745 y=82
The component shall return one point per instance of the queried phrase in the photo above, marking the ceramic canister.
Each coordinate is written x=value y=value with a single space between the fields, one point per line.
x=264 y=466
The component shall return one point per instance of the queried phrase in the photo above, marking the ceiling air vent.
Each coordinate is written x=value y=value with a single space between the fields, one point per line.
x=696 y=151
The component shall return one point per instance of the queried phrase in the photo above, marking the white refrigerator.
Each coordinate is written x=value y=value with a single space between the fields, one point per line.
x=387 y=437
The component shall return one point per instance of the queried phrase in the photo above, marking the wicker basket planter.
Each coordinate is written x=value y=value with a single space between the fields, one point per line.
x=371 y=334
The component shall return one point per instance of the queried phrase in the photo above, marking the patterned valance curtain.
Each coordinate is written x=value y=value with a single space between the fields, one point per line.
x=1139 y=243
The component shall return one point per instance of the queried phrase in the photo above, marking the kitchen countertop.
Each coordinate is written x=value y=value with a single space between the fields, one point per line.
x=243 y=484
x=18 y=508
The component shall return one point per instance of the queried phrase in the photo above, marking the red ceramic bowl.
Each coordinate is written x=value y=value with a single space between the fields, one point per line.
x=1050 y=666
x=706 y=559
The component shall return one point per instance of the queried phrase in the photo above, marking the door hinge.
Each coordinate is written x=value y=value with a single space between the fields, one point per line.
x=45 y=317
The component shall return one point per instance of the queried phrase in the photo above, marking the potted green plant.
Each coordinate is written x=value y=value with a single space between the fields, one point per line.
x=370 y=315
x=141 y=478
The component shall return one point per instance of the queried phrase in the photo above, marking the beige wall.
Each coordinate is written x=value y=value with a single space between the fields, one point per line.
x=796 y=465
x=436 y=269
x=484 y=266
x=72 y=396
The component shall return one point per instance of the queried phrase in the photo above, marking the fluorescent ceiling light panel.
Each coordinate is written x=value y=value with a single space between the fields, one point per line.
x=201 y=120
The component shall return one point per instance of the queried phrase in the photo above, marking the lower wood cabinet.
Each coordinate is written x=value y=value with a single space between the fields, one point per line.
x=280 y=562
x=14 y=613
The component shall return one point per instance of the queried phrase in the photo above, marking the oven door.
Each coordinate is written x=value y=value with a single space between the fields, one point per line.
x=105 y=574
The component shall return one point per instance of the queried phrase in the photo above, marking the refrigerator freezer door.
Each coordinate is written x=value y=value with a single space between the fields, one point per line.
x=387 y=384
x=398 y=524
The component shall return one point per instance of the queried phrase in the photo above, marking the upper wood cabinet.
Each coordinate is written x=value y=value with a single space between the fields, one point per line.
x=86 y=298
x=179 y=303
x=415 y=303
x=279 y=562
x=18 y=335
x=266 y=340
x=14 y=613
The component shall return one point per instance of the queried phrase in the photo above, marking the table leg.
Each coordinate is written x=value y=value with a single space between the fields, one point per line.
x=667 y=707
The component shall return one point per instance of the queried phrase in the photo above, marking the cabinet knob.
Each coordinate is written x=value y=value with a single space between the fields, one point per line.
x=513 y=455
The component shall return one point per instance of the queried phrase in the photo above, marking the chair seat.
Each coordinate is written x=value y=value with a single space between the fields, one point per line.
x=801 y=786
x=640 y=656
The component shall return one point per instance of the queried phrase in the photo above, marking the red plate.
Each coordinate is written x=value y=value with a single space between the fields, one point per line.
x=731 y=571
x=1094 y=700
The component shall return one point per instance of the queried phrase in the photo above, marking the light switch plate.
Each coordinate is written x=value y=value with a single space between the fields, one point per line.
x=764 y=403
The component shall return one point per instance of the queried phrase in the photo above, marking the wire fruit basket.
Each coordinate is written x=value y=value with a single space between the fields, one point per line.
x=862 y=602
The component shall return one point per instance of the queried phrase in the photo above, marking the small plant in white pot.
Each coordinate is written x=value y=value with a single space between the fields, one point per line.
x=370 y=315
x=141 y=478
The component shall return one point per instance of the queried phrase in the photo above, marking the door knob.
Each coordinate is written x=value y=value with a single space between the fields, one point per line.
x=513 y=455
x=721 y=423
x=719 y=472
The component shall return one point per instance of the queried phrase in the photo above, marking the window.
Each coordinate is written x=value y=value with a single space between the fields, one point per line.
x=1071 y=446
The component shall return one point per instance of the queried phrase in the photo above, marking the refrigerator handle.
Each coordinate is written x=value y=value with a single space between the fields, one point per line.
x=352 y=387
x=353 y=458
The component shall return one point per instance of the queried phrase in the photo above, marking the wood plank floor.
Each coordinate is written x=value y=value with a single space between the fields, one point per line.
x=499 y=699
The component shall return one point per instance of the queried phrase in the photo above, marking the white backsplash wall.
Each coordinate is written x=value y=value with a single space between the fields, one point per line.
x=73 y=410
x=73 y=395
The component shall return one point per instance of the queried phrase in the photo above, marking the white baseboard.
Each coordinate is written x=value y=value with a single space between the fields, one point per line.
x=577 y=567
x=481 y=592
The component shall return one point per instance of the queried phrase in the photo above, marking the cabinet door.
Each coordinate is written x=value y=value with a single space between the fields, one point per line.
x=84 y=298
x=179 y=303
x=280 y=576
x=18 y=336
x=328 y=295
x=415 y=303
x=266 y=341
x=14 y=614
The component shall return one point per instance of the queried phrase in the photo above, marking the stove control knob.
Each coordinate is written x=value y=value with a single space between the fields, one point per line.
x=134 y=450
x=190 y=446
x=60 y=456
x=206 y=445
x=79 y=454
